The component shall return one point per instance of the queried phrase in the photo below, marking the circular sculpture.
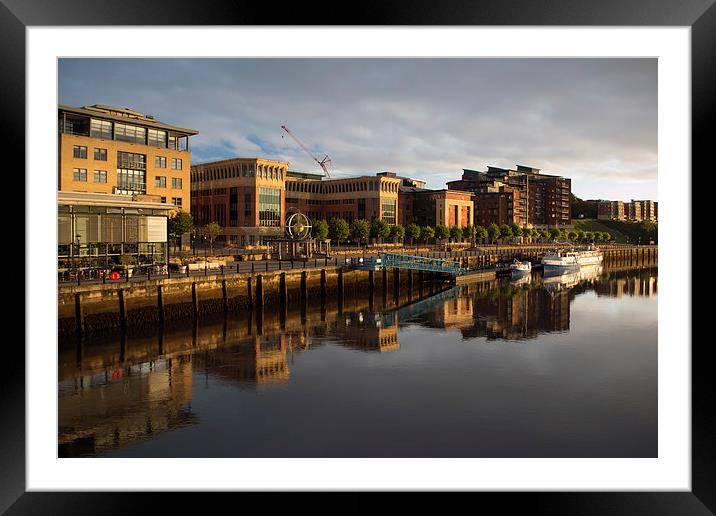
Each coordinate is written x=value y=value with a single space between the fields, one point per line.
x=298 y=227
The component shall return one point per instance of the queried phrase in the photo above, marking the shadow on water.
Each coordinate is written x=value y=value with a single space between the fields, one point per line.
x=119 y=389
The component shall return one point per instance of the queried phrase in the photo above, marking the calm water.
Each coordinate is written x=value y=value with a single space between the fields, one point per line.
x=546 y=367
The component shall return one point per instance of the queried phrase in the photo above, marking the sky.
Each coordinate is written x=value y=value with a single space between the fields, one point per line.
x=592 y=120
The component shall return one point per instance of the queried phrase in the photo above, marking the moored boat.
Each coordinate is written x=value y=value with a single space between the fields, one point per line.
x=518 y=268
x=571 y=260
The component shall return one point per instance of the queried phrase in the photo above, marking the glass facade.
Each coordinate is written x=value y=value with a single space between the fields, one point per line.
x=130 y=133
x=93 y=238
x=388 y=211
x=101 y=129
x=131 y=173
x=269 y=207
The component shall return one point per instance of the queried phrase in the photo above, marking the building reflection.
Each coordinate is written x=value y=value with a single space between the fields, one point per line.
x=121 y=390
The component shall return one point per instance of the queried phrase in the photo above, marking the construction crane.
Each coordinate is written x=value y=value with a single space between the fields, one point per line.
x=325 y=163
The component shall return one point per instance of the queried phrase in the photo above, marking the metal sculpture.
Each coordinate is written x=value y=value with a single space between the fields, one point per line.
x=298 y=226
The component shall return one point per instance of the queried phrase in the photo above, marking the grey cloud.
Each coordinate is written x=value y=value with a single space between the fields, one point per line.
x=593 y=120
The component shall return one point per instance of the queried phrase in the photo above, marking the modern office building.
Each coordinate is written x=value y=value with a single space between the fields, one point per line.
x=436 y=207
x=245 y=196
x=121 y=173
x=250 y=198
x=360 y=197
x=539 y=199
x=105 y=149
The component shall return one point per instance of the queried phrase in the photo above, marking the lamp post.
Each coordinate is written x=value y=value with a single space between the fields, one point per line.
x=77 y=256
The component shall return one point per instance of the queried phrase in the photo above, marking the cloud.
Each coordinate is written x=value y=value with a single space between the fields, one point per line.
x=594 y=120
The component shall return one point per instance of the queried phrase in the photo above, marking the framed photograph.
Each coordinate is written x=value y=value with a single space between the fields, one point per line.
x=410 y=250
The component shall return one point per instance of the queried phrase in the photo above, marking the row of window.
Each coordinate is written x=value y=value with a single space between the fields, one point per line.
x=135 y=134
x=161 y=182
x=334 y=187
x=242 y=170
x=80 y=174
x=80 y=151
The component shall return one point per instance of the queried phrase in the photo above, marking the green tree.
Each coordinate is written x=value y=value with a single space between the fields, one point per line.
x=379 y=229
x=338 y=229
x=546 y=234
x=527 y=233
x=360 y=230
x=442 y=232
x=469 y=232
x=211 y=231
x=581 y=235
x=598 y=236
x=456 y=233
x=320 y=229
x=516 y=230
x=178 y=224
x=397 y=232
x=589 y=236
x=494 y=232
x=413 y=232
x=505 y=232
x=607 y=236
x=427 y=232
x=480 y=233
x=572 y=235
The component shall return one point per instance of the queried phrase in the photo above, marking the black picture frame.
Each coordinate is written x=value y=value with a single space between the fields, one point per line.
x=700 y=15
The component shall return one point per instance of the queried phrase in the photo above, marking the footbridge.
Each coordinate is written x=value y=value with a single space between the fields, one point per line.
x=407 y=261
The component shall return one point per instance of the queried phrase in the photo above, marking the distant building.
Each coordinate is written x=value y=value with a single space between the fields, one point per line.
x=635 y=211
x=611 y=210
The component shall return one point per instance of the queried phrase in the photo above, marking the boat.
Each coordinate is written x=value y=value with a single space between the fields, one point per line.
x=518 y=268
x=571 y=260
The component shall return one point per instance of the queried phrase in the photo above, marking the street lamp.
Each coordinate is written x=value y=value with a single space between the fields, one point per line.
x=77 y=254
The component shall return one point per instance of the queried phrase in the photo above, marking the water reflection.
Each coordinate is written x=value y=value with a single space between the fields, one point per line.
x=123 y=390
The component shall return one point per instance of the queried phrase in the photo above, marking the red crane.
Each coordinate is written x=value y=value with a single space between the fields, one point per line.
x=325 y=163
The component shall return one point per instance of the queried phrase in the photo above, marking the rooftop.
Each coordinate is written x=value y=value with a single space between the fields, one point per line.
x=124 y=115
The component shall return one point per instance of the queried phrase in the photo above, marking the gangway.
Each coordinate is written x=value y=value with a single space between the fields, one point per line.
x=407 y=261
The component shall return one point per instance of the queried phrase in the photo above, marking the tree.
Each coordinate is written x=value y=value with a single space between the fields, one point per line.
x=589 y=236
x=427 y=233
x=598 y=235
x=320 y=229
x=572 y=235
x=397 y=232
x=469 y=232
x=338 y=229
x=505 y=232
x=442 y=232
x=527 y=233
x=379 y=229
x=179 y=223
x=360 y=230
x=607 y=236
x=413 y=232
x=581 y=235
x=547 y=234
x=211 y=231
x=456 y=233
x=494 y=232
x=516 y=230
x=480 y=233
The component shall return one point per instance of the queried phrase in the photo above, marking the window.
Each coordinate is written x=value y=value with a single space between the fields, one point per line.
x=100 y=154
x=160 y=162
x=129 y=133
x=163 y=200
x=247 y=205
x=130 y=160
x=176 y=163
x=79 y=151
x=101 y=129
x=156 y=138
x=176 y=201
x=79 y=174
x=160 y=181
x=269 y=207
x=100 y=176
x=388 y=211
x=176 y=183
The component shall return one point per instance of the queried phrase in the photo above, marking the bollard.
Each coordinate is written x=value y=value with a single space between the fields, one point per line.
x=194 y=301
x=122 y=311
x=160 y=304
x=260 y=291
x=78 y=315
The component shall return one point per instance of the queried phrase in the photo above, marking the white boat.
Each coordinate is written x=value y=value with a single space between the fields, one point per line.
x=518 y=268
x=568 y=260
